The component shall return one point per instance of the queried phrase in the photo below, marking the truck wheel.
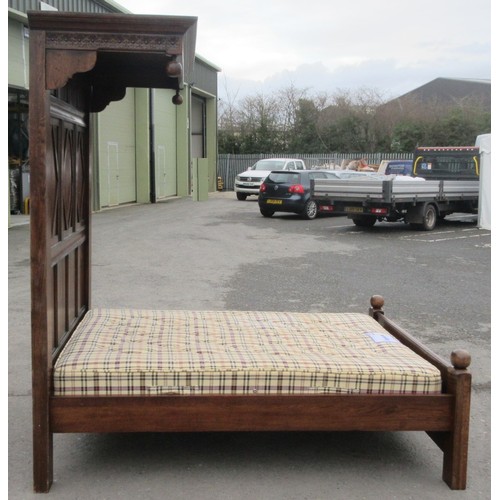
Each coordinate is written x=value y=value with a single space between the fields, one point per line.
x=364 y=221
x=241 y=196
x=430 y=218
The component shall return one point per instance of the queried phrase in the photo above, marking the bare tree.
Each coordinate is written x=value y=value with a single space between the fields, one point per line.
x=360 y=120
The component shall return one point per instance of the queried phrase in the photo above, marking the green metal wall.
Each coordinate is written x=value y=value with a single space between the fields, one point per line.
x=165 y=145
x=116 y=152
x=18 y=55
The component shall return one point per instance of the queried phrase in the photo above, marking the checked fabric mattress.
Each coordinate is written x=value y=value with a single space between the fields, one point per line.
x=121 y=352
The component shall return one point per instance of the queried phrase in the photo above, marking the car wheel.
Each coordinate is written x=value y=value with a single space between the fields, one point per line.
x=241 y=196
x=310 y=210
x=266 y=212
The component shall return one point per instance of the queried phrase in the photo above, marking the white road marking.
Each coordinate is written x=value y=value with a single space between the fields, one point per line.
x=448 y=234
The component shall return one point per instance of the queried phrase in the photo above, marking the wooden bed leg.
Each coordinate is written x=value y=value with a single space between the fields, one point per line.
x=455 y=444
x=42 y=438
x=42 y=462
x=42 y=435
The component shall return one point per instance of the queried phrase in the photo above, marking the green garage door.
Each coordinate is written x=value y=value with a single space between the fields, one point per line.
x=164 y=120
x=116 y=152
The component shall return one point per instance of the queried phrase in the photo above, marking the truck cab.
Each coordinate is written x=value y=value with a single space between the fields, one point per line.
x=459 y=163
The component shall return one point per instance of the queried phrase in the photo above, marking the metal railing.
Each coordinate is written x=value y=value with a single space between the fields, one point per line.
x=229 y=165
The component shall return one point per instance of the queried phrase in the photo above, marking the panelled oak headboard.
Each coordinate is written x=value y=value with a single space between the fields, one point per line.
x=79 y=63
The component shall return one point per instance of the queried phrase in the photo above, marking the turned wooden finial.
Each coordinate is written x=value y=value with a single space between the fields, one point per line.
x=377 y=302
x=460 y=359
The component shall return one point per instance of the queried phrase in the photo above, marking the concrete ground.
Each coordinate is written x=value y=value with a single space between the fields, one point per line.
x=221 y=254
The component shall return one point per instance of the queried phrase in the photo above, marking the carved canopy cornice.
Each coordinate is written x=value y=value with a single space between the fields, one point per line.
x=110 y=52
x=171 y=45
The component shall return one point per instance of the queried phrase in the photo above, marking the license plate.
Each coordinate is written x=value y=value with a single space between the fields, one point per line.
x=274 y=202
x=355 y=210
x=250 y=184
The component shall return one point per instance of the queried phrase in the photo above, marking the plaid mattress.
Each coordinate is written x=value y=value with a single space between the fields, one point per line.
x=141 y=352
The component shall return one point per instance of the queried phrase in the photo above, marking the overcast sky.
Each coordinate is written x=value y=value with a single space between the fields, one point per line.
x=393 y=46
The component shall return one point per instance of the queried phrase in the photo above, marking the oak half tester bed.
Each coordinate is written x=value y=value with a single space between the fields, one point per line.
x=120 y=370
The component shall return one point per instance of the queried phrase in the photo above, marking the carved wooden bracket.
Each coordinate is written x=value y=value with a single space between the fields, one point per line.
x=102 y=96
x=61 y=65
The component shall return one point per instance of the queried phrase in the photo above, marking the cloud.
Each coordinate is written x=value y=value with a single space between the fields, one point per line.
x=389 y=77
x=391 y=45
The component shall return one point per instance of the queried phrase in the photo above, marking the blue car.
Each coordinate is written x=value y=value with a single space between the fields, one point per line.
x=290 y=191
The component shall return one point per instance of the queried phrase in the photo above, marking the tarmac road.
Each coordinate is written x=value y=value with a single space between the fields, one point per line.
x=221 y=254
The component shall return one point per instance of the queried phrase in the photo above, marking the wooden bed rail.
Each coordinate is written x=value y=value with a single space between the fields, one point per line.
x=460 y=359
x=219 y=413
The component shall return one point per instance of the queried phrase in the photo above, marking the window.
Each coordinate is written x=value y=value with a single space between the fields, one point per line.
x=198 y=127
x=439 y=163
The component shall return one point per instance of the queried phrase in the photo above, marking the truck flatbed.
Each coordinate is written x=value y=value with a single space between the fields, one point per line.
x=392 y=198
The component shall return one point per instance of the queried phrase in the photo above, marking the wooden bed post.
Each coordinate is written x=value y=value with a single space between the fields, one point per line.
x=455 y=443
x=60 y=232
x=457 y=381
x=41 y=355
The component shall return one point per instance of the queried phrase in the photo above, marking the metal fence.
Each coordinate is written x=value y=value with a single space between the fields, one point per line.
x=229 y=166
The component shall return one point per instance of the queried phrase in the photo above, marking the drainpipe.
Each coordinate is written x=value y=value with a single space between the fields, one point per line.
x=152 y=170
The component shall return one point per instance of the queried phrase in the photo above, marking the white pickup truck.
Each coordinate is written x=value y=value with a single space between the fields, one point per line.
x=391 y=198
x=248 y=182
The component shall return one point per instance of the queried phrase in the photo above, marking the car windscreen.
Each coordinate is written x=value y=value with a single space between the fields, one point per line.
x=284 y=177
x=268 y=165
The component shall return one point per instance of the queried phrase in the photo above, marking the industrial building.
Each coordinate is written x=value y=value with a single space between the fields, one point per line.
x=146 y=149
